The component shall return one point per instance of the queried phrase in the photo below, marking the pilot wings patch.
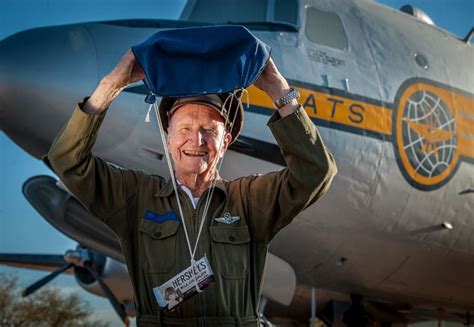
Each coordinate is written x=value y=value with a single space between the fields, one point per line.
x=227 y=219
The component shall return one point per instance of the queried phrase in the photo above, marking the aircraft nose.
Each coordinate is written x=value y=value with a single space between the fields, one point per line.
x=43 y=71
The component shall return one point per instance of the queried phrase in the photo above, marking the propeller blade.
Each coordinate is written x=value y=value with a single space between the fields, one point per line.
x=118 y=307
x=43 y=281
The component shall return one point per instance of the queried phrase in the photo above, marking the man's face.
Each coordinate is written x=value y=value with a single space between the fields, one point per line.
x=195 y=135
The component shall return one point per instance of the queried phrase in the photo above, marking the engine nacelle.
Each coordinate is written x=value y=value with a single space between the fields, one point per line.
x=114 y=273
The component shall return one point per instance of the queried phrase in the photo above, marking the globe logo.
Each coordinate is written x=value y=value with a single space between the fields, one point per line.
x=429 y=133
x=426 y=137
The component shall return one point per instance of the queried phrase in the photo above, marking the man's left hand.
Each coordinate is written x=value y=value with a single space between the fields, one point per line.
x=276 y=86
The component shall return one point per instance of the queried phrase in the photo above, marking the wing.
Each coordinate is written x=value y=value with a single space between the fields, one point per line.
x=421 y=129
x=431 y=136
x=441 y=135
x=44 y=262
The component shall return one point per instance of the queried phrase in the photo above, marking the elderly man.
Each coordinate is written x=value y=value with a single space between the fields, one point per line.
x=142 y=209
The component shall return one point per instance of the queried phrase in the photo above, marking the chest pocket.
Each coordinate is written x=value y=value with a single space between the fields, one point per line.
x=231 y=250
x=158 y=245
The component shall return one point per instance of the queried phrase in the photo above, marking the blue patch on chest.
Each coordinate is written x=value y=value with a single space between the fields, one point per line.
x=167 y=216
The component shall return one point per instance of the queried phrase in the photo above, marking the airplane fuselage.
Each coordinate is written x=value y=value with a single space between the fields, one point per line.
x=394 y=105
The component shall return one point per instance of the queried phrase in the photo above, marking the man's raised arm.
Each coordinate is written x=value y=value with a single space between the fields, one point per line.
x=126 y=72
x=276 y=198
x=104 y=189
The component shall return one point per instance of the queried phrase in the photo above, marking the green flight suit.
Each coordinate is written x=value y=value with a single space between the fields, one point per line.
x=155 y=252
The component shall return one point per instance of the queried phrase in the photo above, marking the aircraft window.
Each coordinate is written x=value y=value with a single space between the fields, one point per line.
x=325 y=28
x=261 y=14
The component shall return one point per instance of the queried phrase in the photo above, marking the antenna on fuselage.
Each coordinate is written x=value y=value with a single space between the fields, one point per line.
x=467 y=38
x=417 y=13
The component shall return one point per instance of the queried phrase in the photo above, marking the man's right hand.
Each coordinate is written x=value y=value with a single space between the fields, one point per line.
x=126 y=72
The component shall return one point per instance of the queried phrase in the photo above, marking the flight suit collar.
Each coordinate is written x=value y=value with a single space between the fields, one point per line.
x=168 y=188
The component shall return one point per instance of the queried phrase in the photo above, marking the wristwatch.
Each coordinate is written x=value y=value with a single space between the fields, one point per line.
x=284 y=100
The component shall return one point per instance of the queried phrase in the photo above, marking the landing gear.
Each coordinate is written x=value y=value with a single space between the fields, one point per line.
x=262 y=320
x=356 y=316
x=468 y=319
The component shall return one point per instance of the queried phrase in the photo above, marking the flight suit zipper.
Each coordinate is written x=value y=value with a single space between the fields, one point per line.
x=195 y=215
x=193 y=230
x=199 y=252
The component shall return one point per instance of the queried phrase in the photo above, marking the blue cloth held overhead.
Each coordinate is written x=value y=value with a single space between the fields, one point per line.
x=192 y=61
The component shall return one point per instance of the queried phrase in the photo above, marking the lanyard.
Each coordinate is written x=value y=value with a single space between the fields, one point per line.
x=192 y=250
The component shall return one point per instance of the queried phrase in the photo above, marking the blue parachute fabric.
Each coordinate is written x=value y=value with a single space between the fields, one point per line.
x=199 y=60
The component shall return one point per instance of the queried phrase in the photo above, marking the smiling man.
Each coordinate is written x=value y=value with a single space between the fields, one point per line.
x=197 y=139
x=157 y=221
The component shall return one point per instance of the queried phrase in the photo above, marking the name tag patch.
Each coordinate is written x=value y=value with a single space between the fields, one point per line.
x=157 y=218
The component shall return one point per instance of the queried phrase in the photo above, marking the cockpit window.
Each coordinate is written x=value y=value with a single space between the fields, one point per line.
x=325 y=28
x=259 y=13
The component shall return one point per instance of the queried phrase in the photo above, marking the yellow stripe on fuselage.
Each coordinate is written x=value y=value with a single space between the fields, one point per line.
x=336 y=109
x=465 y=122
x=376 y=118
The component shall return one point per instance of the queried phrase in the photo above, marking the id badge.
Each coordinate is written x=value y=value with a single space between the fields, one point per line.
x=183 y=285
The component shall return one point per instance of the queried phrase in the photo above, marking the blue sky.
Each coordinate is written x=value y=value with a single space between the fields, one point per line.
x=22 y=229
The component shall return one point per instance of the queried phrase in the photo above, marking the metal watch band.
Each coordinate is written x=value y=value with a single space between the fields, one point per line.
x=284 y=100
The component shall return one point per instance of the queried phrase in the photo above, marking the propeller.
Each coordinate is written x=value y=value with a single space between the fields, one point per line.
x=82 y=258
x=43 y=281
x=118 y=307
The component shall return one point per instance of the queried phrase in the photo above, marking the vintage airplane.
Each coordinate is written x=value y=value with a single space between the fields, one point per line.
x=392 y=95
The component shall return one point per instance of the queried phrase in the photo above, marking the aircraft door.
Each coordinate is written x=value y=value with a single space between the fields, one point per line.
x=345 y=95
x=342 y=93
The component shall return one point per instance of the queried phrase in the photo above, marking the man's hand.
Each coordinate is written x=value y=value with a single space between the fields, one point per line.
x=126 y=72
x=276 y=86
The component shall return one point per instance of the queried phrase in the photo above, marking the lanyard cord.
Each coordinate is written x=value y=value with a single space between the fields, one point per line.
x=211 y=191
x=168 y=160
x=192 y=251
x=165 y=145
